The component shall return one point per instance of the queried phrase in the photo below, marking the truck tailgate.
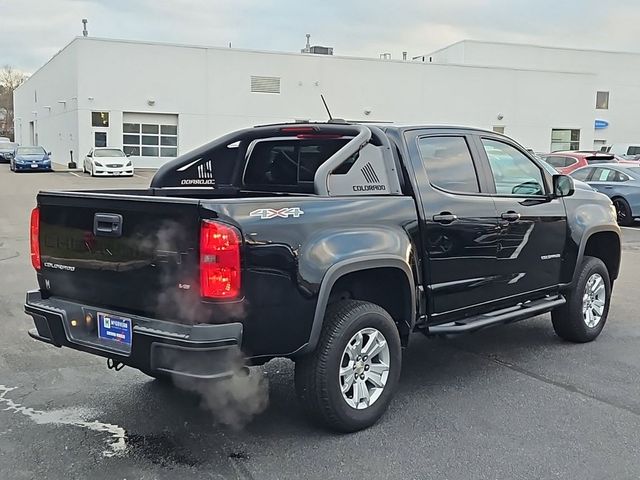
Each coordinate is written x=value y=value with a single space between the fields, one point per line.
x=125 y=252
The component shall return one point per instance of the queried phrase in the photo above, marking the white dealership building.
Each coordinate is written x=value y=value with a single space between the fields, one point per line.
x=159 y=100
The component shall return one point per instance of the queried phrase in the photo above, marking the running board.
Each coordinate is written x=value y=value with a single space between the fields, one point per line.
x=506 y=315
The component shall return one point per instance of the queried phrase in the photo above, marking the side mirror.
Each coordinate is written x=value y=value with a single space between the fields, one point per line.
x=49 y=153
x=563 y=186
x=128 y=154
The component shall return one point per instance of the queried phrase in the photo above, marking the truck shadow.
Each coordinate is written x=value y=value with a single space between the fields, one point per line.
x=435 y=370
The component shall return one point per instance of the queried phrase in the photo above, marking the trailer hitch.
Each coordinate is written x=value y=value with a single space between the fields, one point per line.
x=114 y=364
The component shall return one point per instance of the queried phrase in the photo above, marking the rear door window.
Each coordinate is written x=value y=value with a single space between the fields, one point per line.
x=449 y=164
x=603 y=175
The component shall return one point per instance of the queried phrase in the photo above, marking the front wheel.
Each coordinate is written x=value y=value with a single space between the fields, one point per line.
x=582 y=318
x=623 y=212
x=349 y=381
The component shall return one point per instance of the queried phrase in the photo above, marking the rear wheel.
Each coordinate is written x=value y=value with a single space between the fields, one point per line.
x=582 y=318
x=348 y=382
x=623 y=211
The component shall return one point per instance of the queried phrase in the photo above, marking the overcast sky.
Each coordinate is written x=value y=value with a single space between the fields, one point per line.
x=34 y=30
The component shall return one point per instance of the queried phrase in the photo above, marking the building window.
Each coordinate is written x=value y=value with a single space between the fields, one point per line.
x=150 y=140
x=602 y=101
x=265 y=84
x=565 y=139
x=99 y=119
x=498 y=129
x=100 y=139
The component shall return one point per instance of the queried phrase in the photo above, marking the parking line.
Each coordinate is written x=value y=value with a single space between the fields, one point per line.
x=139 y=176
x=75 y=174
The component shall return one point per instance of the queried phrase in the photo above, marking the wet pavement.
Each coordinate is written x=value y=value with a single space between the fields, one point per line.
x=507 y=403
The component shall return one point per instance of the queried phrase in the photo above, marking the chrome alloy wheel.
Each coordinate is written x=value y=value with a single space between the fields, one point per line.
x=364 y=368
x=593 y=301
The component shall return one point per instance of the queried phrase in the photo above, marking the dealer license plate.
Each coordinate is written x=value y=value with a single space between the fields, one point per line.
x=114 y=328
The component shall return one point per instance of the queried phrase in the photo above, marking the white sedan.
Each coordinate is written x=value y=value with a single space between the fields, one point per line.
x=106 y=162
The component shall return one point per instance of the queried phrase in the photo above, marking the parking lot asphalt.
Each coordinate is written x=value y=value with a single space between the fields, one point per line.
x=506 y=403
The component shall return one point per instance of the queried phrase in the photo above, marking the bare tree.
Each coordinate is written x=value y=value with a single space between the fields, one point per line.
x=10 y=79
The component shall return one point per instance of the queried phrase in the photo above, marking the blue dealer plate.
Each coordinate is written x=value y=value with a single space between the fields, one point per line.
x=114 y=328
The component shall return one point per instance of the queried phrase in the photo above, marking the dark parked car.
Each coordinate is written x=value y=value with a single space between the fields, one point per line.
x=328 y=244
x=30 y=159
x=6 y=151
x=620 y=182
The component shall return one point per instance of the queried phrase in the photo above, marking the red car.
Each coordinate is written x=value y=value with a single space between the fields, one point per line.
x=567 y=162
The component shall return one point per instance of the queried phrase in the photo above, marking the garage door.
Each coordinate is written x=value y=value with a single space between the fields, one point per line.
x=151 y=138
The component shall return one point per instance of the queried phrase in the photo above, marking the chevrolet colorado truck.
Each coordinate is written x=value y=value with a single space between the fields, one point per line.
x=325 y=243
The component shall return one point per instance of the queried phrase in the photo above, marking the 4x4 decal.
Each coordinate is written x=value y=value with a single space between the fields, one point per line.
x=268 y=213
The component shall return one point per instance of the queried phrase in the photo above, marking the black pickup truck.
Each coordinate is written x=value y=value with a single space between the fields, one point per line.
x=325 y=243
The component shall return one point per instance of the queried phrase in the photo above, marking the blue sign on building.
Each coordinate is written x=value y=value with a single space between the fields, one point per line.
x=600 y=124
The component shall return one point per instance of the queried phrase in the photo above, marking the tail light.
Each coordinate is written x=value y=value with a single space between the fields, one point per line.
x=219 y=260
x=35 y=239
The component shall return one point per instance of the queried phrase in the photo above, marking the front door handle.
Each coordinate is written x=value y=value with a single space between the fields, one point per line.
x=445 y=218
x=510 y=216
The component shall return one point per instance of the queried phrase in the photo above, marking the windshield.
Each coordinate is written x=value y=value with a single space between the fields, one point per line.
x=109 y=152
x=30 y=151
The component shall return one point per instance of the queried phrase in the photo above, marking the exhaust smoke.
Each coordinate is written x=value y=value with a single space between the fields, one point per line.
x=232 y=401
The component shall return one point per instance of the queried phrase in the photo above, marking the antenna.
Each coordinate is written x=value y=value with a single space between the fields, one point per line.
x=326 y=107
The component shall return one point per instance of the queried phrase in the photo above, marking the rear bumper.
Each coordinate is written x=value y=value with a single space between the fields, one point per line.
x=194 y=351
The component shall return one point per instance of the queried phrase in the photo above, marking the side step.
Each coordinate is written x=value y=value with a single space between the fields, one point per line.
x=506 y=315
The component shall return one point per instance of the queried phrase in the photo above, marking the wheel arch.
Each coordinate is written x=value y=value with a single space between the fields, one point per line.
x=604 y=244
x=350 y=273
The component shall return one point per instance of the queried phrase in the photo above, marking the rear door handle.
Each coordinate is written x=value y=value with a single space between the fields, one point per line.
x=445 y=218
x=107 y=225
x=510 y=216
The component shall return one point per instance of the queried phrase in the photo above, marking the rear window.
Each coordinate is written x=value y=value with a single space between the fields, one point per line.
x=287 y=162
x=600 y=159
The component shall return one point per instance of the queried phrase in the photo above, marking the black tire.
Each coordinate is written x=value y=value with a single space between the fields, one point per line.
x=84 y=168
x=317 y=374
x=568 y=320
x=623 y=212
